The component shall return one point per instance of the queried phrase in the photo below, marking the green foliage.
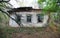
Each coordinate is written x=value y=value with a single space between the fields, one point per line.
x=50 y=5
x=2 y=5
x=3 y=17
x=40 y=1
x=3 y=20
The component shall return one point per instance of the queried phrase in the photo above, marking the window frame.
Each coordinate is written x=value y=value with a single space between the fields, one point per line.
x=41 y=17
x=28 y=17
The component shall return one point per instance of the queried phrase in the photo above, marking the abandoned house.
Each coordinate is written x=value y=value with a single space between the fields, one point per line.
x=27 y=17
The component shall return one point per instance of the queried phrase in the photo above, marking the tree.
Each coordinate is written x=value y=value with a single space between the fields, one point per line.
x=49 y=6
x=4 y=8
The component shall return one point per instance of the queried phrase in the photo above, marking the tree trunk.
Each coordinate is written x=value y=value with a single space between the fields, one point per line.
x=49 y=18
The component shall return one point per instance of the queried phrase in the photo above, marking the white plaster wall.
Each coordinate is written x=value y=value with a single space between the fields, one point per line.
x=12 y=23
x=35 y=24
x=34 y=19
x=25 y=23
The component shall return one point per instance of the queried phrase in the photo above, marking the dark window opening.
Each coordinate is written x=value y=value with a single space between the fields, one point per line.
x=18 y=18
x=29 y=18
x=40 y=17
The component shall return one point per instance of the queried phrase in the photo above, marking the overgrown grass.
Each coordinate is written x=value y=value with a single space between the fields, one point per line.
x=8 y=31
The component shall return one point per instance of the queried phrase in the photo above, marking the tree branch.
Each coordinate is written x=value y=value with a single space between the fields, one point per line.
x=9 y=16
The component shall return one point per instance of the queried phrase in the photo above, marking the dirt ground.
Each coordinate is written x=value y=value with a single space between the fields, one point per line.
x=46 y=33
x=35 y=35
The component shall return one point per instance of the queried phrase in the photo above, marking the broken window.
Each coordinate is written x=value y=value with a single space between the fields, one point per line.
x=40 y=17
x=29 y=18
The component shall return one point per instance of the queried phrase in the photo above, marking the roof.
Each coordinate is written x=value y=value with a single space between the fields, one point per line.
x=23 y=9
